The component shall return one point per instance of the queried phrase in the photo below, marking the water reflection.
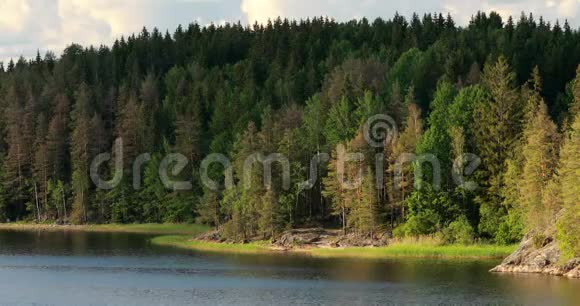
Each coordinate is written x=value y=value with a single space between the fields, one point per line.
x=125 y=269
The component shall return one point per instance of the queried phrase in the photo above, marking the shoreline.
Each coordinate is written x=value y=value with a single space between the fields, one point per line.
x=144 y=228
x=179 y=236
x=393 y=251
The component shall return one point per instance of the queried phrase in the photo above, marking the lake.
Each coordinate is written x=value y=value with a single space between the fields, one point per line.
x=77 y=268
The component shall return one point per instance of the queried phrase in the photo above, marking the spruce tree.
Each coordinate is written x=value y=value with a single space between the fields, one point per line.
x=497 y=131
x=80 y=155
x=569 y=223
x=399 y=185
x=540 y=160
x=365 y=209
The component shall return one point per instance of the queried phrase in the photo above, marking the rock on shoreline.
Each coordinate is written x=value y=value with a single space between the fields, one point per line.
x=311 y=238
x=545 y=259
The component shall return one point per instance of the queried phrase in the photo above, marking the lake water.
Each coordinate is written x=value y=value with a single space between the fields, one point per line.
x=73 y=268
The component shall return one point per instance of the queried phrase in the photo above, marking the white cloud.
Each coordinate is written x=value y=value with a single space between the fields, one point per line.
x=462 y=10
x=262 y=10
x=12 y=14
x=569 y=8
x=31 y=25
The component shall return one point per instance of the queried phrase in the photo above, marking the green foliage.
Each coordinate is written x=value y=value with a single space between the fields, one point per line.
x=153 y=193
x=490 y=219
x=461 y=112
x=365 y=211
x=459 y=231
x=430 y=210
x=511 y=228
x=400 y=231
x=301 y=89
x=436 y=139
x=540 y=159
x=208 y=211
x=2 y=196
x=314 y=122
x=341 y=124
x=423 y=223
x=569 y=231
x=569 y=223
x=57 y=199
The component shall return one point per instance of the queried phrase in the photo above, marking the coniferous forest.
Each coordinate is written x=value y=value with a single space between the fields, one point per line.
x=504 y=91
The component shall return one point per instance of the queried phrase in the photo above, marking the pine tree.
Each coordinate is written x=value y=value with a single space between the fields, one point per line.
x=499 y=124
x=365 y=210
x=56 y=139
x=497 y=131
x=3 y=195
x=569 y=223
x=209 y=210
x=188 y=135
x=540 y=159
x=129 y=128
x=574 y=107
x=399 y=185
x=335 y=190
x=80 y=155
x=474 y=75
x=41 y=166
x=436 y=139
x=340 y=123
x=18 y=160
x=396 y=106
x=149 y=96
x=268 y=214
x=241 y=203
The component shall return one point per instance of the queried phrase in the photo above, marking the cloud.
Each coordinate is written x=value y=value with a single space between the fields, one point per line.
x=262 y=10
x=462 y=10
x=31 y=25
x=12 y=14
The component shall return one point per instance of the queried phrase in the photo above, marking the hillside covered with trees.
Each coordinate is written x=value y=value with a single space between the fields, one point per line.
x=507 y=91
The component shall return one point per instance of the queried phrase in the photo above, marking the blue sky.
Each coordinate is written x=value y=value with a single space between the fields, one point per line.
x=28 y=25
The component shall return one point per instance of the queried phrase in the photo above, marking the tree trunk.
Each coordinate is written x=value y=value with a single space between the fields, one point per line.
x=37 y=206
x=64 y=204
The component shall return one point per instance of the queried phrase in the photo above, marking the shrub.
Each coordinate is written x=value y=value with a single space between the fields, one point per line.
x=510 y=230
x=423 y=223
x=400 y=231
x=569 y=232
x=538 y=240
x=459 y=231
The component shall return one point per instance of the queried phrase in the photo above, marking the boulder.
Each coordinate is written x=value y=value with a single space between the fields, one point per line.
x=211 y=236
x=545 y=259
x=303 y=237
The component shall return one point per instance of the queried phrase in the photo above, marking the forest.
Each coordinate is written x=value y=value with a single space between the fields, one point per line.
x=506 y=91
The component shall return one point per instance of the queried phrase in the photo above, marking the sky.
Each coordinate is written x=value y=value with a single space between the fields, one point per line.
x=30 y=25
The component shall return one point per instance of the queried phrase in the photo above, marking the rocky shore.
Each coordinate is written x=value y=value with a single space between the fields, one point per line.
x=545 y=259
x=312 y=238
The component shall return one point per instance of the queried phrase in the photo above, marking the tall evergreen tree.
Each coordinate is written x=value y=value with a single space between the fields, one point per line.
x=81 y=154
x=497 y=131
x=540 y=160
x=569 y=231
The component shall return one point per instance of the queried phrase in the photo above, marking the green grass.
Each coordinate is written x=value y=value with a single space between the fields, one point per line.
x=396 y=250
x=180 y=235
x=185 y=242
x=160 y=229
x=417 y=250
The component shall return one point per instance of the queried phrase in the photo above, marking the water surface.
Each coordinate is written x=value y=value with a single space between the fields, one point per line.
x=76 y=268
